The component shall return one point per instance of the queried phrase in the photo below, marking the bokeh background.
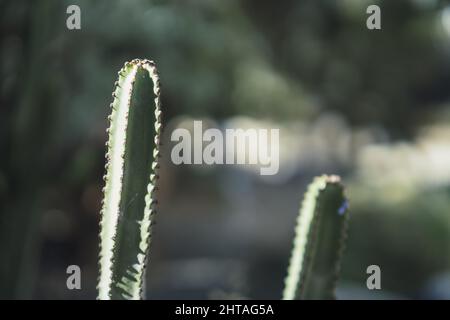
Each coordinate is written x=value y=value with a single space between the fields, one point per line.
x=372 y=106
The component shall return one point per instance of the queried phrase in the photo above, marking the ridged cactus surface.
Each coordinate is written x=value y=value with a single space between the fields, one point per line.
x=130 y=181
x=319 y=241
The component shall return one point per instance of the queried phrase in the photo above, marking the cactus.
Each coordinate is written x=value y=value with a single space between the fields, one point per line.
x=319 y=241
x=131 y=172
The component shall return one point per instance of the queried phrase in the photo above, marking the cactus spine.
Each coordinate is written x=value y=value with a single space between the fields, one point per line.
x=319 y=241
x=131 y=172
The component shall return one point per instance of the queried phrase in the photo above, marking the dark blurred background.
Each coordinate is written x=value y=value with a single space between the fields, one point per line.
x=372 y=106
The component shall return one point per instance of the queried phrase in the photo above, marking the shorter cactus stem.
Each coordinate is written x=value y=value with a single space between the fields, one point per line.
x=319 y=241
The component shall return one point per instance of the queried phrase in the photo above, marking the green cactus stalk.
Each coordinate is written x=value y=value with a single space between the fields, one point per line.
x=319 y=241
x=131 y=173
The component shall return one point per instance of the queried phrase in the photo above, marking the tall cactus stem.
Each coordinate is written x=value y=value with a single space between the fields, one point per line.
x=130 y=179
